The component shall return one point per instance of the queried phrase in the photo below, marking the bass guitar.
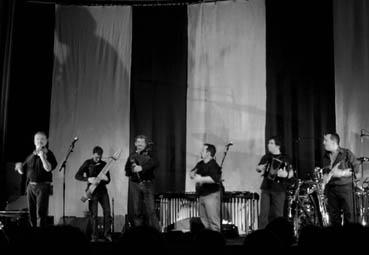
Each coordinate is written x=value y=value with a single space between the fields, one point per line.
x=91 y=188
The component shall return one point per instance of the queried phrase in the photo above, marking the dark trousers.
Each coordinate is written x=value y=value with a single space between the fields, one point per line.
x=271 y=206
x=38 y=203
x=339 y=201
x=143 y=204
x=100 y=196
x=209 y=211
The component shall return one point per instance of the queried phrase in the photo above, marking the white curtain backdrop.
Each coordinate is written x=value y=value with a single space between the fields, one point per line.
x=351 y=54
x=90 y=99
x=226 y=88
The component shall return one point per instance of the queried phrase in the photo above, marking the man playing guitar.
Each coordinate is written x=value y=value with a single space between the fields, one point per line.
x=88 y=172
x=339 y=165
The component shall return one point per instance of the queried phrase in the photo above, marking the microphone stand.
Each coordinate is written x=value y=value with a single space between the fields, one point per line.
x=222 y=190
x=62 y=167
x=353 y=195
x=362 y=159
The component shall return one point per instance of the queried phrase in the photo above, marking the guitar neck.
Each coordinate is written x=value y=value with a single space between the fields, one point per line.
x=106 y=168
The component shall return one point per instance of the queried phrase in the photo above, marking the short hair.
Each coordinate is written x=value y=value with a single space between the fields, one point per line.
x=148 y=141
x=210 y=148
x=334 y=136
x=98 y=150
x=41 y=133
x=142 y=137
x=277 y=140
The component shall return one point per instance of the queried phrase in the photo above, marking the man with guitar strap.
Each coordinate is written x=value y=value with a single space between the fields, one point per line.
x=140 y=168
x=276 y=170
x=88 y=172
x=339 y=165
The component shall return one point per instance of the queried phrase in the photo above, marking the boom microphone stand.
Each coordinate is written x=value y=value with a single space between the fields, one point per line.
x=363 y=134
x=62 y=167
x=222 y=190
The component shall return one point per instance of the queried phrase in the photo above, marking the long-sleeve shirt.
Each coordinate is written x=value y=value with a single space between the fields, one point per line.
x=347 y=160
x=90 y=168
x=35 y=170
x=147 y=160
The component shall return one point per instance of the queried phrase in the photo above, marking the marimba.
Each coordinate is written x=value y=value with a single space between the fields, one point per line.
x=238 y=208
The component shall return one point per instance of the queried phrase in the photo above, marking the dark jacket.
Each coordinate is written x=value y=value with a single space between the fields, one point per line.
x=147 y=160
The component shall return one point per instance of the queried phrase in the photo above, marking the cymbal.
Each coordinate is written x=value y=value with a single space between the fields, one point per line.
x=363 y=159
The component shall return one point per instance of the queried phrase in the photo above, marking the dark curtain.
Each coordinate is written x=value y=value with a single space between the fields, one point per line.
x=159 y=88
x=300 y=78
x=7 y=15
x=29 y=73
x=31 y=77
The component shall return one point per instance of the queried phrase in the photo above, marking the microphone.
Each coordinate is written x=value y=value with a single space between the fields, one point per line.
x=35 y=152
x=229 y=144
x=361 y=135
x=74 y=141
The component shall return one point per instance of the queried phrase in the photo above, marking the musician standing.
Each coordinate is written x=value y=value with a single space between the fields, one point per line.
x=38 y=167
x=88 y=172
x=207 y=176
x=276 y=169
x=140 y=168
x=339 y=165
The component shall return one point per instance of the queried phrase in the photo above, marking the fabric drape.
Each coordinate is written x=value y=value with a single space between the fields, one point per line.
x=90 y=98
x=300 y=79
x=351 y=62
x=226 y=88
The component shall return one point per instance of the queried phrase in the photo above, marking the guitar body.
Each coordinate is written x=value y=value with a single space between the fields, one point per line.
x=91 y=188
x=88 y=193
x=328 y=175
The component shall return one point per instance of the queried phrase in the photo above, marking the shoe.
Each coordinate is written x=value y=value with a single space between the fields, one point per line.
x=93 y=239
x=108 y=238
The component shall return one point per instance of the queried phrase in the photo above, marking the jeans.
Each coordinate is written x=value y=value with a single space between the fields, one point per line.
x=340 y=200
x=38 y=203
x=209 y=210
x=271 y=206
x=143 y=204
x=101 y=197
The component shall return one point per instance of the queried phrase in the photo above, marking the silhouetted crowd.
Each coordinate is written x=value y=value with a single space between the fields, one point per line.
x=277 y=237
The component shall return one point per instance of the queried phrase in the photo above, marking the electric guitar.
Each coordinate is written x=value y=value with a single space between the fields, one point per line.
x=91 y=188
x=328 y=176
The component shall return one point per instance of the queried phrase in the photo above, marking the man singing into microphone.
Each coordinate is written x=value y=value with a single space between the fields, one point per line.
x=38 y=167
x=207 y=176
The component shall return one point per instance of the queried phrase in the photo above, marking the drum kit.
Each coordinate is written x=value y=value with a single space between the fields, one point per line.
x=307 y=204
